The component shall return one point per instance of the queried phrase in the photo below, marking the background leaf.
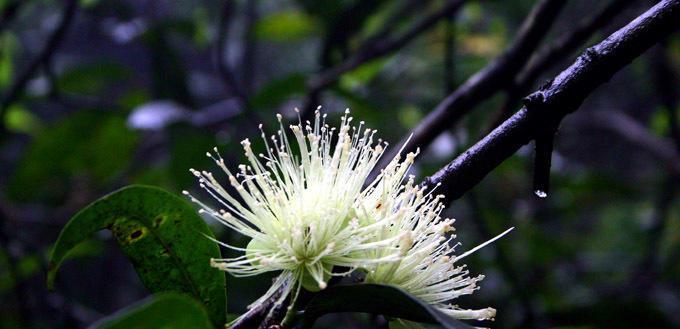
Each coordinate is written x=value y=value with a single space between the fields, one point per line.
x=377 y=299
x=168 y=311
x=163 y=237
x=285 y=26
x=95 y=147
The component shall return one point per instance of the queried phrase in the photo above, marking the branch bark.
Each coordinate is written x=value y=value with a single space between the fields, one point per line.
x=53 y=41
x=556 y=52
x=492 y=78
x=562 y=96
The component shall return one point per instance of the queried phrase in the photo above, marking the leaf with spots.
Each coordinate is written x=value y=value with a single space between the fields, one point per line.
x=166 y=310
x=163 y=237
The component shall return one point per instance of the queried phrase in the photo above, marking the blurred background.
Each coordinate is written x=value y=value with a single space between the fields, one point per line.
x=97 y=95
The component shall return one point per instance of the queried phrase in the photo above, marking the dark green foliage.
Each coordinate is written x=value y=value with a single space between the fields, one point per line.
x=167 y=310
x=89 y=146
x=163 y=237
x=377 y=299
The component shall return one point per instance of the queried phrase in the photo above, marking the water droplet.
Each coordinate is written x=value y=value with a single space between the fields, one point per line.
x=540 y=194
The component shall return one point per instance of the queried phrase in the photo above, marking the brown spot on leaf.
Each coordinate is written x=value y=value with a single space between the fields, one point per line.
x=136 y=234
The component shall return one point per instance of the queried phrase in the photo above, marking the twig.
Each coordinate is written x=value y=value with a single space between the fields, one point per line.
x=486 y=82
x=53 y=42
x=554 y=53
x=382 y=47
x=256 y=315
x=563 y=96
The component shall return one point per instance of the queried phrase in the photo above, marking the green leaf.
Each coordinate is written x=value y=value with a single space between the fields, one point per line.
x=87 y=147
x=363 y=74
x=377 y=299
x=163 y=237
x=167 y=311
x=286 y=26
x=18 y=119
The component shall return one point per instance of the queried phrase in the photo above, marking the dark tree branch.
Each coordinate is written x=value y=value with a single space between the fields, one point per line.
x=554 y=53
x=376 y=49
x=561 y=97
x=485 y=83
x=16 y=90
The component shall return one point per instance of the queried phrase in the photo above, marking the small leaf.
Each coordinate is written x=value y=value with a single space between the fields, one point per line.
x=363 y=74
x=168 y=311
x=377 y=299
x=163 y=237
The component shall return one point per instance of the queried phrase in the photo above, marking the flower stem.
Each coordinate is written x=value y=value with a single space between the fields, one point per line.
x=291 y=315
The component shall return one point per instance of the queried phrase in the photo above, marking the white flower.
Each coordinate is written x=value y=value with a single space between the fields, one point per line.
x=301 y=210
x=307 y=207
x=428 y=268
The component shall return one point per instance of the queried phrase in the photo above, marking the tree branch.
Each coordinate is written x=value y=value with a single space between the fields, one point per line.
x=16 y=90
x=564 y=95
x=486 y=82
x=556 y=52
x=376 y=49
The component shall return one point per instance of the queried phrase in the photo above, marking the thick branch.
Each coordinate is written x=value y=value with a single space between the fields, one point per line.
x=556 y=52
x=378 y=48
x=561 y=97
x=53 y=41
x=493 y=77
